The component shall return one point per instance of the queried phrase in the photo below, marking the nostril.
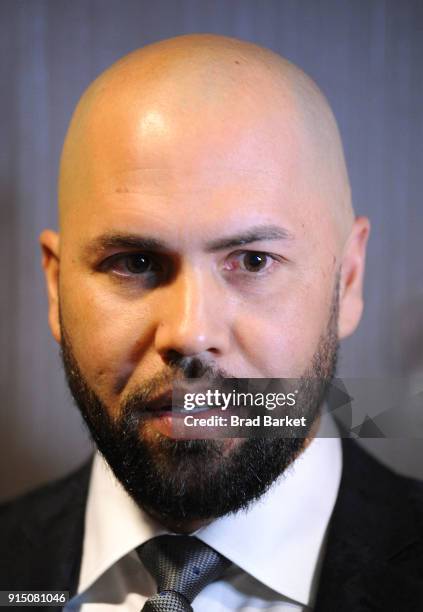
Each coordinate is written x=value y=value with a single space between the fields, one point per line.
x=190 y=367
x=173 y=358
x=195 y=368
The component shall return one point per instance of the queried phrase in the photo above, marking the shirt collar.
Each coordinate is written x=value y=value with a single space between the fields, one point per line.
x=278 y=540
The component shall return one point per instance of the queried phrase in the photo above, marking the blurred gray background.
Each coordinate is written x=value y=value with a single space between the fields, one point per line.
x=366 y=55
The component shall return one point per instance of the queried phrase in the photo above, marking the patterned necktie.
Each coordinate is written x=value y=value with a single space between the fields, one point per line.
x=181 y=566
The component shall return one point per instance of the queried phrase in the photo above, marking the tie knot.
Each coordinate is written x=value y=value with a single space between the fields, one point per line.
x=182 y=564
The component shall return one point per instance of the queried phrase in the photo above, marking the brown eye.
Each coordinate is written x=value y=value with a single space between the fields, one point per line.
x=138 y=263
x=254 y=262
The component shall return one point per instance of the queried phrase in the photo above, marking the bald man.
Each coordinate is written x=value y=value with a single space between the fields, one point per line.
x=206 y=232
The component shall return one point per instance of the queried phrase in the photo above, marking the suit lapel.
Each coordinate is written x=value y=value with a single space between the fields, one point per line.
x=55 y=534
x=373 y=547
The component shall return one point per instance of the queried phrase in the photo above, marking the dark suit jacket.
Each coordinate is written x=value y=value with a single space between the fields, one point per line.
x=373 y=561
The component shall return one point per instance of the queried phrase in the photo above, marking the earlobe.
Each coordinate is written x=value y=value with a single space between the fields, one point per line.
x=50 y=247
x=352 y=277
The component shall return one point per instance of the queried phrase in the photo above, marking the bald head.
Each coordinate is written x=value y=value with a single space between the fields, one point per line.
x=205 y=227
x=205 y=100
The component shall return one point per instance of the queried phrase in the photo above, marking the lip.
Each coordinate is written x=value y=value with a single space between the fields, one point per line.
x=163 y=404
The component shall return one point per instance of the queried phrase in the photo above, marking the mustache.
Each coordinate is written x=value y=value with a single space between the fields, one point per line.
x=190 y=373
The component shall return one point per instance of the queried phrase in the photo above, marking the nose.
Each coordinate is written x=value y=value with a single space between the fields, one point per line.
x=191 y=318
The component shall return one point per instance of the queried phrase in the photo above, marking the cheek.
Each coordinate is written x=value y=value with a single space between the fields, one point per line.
x=108 y=340
x=280 y=339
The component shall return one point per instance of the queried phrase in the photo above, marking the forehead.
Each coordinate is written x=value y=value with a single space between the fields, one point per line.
x=184 y=213
x=156 y=159
x=186 y=206
x=146 y=161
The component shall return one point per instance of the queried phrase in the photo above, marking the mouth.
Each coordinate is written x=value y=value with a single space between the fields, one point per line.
x=163 y=405
x=166 y=412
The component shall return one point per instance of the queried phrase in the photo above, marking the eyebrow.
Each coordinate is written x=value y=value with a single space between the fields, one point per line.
x=257 y=233
x=254 y=234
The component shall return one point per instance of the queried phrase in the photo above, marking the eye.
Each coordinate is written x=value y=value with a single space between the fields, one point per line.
x=251 y=262
x=254 y=262
x=132 y=264
x=138 y=263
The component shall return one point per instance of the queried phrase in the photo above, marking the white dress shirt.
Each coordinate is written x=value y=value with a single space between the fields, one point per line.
x=276 y=546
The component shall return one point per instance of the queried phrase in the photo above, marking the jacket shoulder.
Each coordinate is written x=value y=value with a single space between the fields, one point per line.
x=45 y=501
x=375 y=539
x=41 y=534
x=378 y=483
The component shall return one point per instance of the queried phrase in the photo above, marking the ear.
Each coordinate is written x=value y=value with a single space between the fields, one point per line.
x=50 y=241
x=352 y=275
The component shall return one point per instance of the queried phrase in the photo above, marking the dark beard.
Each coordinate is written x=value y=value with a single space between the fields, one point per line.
x=187 y=480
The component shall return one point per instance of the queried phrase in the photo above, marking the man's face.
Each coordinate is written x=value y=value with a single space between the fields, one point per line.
x=192 y=245
x=208 y=244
